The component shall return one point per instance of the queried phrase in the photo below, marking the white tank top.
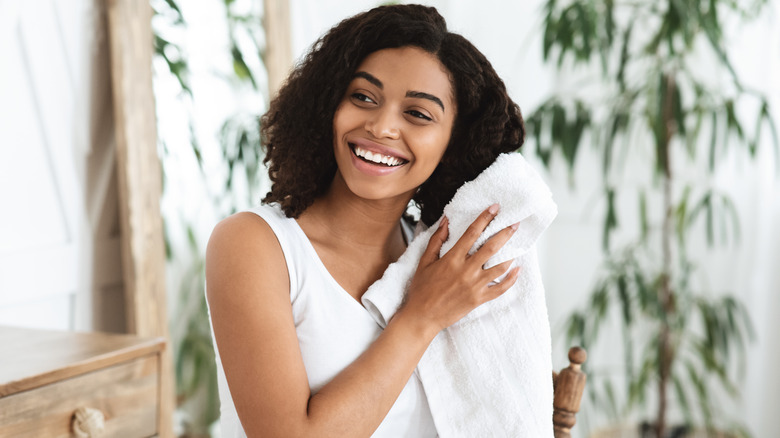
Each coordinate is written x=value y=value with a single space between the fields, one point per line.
x=333 y=330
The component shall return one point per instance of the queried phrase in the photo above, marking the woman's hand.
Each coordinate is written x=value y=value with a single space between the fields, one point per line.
x=445 y=289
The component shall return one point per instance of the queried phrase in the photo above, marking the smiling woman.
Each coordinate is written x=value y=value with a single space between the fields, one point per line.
x=388 y=108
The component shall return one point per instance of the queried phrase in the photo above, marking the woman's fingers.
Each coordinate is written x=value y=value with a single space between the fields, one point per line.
x=473 y=232
x=498 y=289
x=494 y=244
x=476 y=228
x=500 y=269
x=444 y=290
x=438 y=238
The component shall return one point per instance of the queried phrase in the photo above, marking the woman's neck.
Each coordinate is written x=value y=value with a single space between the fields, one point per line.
x=346 y=218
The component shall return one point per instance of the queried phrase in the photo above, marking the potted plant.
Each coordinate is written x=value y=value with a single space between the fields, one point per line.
x=648 y=97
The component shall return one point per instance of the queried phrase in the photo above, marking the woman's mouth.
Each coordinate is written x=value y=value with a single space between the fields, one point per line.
x=376 y=158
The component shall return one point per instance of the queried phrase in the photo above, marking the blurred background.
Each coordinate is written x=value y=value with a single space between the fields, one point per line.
x=654 y=123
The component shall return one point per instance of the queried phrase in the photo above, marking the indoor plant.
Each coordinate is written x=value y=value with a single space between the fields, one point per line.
x=649 y=97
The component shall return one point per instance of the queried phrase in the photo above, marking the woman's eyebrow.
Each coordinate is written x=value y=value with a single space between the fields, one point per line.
x=370 y=78
x=421 y=95
x=416 y=94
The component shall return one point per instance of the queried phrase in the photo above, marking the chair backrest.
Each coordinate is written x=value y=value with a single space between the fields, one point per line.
x=568 y=386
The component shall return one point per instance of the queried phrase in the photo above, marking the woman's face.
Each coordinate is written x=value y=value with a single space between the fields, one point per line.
x=394 y=123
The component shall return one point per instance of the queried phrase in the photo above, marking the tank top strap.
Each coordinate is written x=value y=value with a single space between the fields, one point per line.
x=287 y=234
x=408 y=231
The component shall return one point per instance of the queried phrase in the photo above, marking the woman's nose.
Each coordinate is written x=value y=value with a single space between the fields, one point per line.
x=383 y=124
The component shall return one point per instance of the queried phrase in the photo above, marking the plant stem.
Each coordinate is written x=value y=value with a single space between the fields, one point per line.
x=667 y=299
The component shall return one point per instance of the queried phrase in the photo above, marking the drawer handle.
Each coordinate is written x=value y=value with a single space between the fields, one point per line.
x=88 y=422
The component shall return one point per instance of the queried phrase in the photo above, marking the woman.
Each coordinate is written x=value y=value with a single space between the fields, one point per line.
x=388 y=107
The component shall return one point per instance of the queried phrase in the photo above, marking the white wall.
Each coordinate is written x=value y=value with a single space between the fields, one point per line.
x=753 y=272
x=59 y=244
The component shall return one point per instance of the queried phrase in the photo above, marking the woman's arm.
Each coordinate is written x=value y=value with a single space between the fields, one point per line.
x=248 y=293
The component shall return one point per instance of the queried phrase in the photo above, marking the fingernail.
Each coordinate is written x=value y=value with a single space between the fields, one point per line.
x=514 y=226
x=493 y=209
x=443 y=222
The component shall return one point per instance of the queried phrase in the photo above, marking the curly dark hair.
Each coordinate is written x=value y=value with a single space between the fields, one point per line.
x=297 y=130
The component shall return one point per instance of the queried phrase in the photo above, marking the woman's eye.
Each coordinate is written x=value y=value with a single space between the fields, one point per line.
x=362 y=97
x=418 y=115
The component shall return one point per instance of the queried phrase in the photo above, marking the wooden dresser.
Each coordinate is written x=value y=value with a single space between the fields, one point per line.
x=47 y=376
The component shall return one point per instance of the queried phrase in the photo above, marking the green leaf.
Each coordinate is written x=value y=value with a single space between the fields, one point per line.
x=704 y=205
x=692 y=136
x=581 y=122
x=565 y=34
x=659 y=124
x=240 y=68
x=702 y=392
x=682 y=222
x=191 y=239
x=179 y=17
x=559 y=125
x=766 y=117
x=709 y=213
x=712 y=30
x=610 y=220
x=674 y=21
x=550 y=29
x=625 y=299
x=732 y=121
x=637 y=390
x=178 y=68
x=679 y=112
x=648 y=299
x=168 y=250
x=609 y=390
x=644 y=222
x=652 y=47
x=195 y=147
x=731 y=212
x=575 y=331
x=618 y=123
x=535 y=125
x=682 y=398
x=600 y=302
x=713 y=141
x=625 y=56
x=586 y=33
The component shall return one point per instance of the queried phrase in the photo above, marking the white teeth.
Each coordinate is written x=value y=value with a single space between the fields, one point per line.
x=377 y=157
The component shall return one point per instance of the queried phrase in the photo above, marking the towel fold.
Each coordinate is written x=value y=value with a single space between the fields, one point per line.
x=488 y=375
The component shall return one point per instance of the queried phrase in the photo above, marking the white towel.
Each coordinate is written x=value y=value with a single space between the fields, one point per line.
x=489 y=374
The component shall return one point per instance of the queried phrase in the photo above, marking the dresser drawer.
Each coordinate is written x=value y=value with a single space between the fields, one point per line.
x=126 y=393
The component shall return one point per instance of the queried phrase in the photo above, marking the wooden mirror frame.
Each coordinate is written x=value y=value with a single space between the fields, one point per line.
x=140 y=187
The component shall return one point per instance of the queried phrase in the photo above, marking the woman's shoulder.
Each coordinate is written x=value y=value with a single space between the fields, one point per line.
x=248 y=228
x=244 y=246
x=240 y=229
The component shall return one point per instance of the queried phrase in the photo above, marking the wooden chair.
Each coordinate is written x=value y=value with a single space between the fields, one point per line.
x=568 y=386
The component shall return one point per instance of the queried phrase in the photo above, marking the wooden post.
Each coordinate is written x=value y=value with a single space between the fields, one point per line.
x=568 y=386
x=278 y=54
x=139 y=176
